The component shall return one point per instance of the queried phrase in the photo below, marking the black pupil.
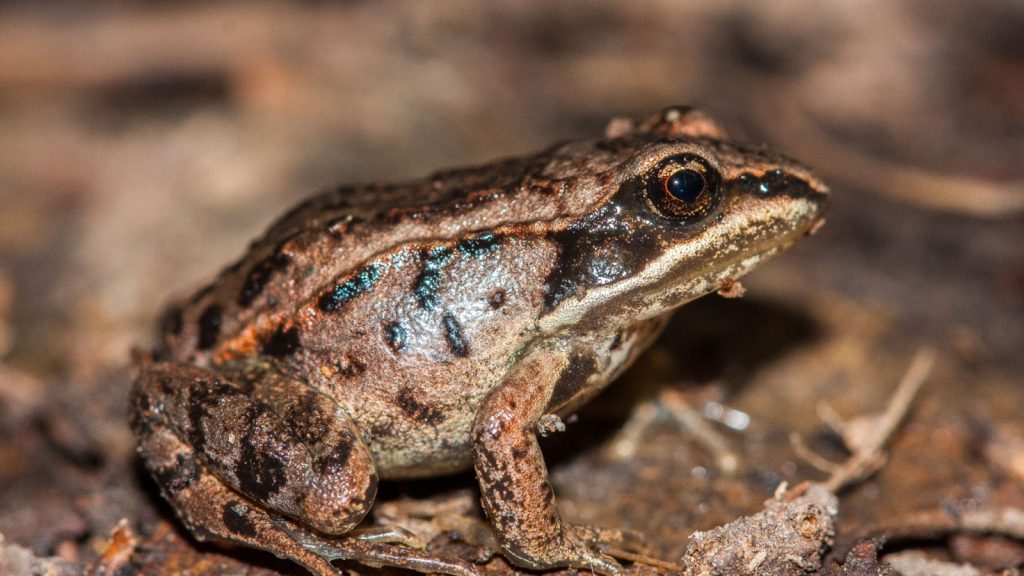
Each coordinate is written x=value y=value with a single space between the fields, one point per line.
x=685 y=185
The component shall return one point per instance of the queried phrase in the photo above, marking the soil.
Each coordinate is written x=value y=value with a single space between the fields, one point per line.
x=142 y=146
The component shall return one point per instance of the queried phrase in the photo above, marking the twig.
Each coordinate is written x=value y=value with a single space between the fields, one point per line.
x=867 y=436
x=804 y=452
x=1005 y=521
x=673 y=404
x=642 y=559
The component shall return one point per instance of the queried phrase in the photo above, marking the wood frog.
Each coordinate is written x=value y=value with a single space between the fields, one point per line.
x=411 y=330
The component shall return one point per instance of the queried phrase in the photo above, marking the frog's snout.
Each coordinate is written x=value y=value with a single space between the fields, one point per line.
x=793 y=196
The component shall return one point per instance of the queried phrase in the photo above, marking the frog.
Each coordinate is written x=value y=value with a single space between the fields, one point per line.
x=402 y=331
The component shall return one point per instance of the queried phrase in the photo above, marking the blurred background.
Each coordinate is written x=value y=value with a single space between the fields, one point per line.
x=142 y=145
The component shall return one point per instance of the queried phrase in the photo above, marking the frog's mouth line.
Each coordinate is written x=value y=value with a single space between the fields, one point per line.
x=756 y=230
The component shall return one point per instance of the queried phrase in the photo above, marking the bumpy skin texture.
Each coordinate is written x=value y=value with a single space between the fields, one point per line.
x=414 y=330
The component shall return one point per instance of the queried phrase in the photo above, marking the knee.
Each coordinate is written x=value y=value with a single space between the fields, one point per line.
x=343 y=491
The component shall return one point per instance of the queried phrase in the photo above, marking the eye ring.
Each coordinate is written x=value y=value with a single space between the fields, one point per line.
x=682 y=187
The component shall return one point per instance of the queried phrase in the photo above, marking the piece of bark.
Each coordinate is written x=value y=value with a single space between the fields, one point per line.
x=788 y=537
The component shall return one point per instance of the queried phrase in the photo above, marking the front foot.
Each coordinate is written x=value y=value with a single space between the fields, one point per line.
x=514 y=488
x=571 y=551
x=586 y=547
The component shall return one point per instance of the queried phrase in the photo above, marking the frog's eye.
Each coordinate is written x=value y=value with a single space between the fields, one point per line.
x=682 y=186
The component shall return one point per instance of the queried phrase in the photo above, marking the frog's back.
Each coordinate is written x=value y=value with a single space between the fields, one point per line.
x=334 y=236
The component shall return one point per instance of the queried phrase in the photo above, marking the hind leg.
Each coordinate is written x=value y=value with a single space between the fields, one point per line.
x=259 y=459
x=212 y=511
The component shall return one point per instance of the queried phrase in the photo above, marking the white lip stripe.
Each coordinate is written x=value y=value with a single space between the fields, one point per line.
x=798 y=214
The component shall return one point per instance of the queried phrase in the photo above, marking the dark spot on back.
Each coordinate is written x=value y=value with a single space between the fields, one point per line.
x=235 y=520
x=417 y=410
x=480 y=246
x=497 y=298
x=457 y=341
x=209 y=326
x=395 y=335
x=429 y=280
x=282 y=342
x=258 y=276
x=362 y=282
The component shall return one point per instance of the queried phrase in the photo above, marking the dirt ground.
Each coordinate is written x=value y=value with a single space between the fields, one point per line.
x=142 y=146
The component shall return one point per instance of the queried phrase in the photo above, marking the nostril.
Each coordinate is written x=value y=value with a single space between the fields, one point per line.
x=778 y=182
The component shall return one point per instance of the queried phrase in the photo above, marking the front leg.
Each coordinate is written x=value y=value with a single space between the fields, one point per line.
x=515 y=491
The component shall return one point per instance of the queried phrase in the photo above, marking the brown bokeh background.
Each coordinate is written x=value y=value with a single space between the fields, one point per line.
x=143 y=144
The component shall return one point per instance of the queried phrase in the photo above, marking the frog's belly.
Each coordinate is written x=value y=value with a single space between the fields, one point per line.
x=429 y=442
x=418 y=422
x=423 y=459
x=417 y=431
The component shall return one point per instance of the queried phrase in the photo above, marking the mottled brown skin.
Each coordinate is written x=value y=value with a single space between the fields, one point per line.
x=421 y=329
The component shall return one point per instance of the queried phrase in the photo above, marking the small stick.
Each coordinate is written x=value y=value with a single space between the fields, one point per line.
x=869 y=450
x=866 y=437
x=673 y=404
x=939 y=523
x=643 y=559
